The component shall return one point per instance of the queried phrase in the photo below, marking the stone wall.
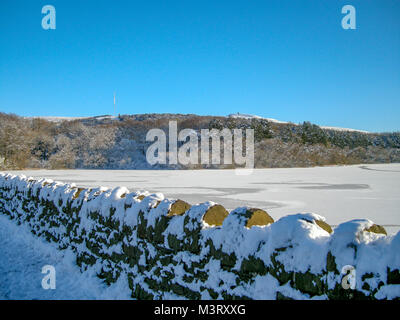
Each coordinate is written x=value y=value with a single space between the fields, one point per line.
x=168 y=249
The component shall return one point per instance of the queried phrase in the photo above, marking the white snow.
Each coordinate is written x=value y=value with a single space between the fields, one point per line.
x=22 y=257
x=57 y=119
x=60 y=119
x=343 y=129
x=250 y=116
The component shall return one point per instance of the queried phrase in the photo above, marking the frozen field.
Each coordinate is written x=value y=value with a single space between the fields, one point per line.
x=338 y=193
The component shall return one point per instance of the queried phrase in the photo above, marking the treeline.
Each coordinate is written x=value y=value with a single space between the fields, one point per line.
x=109 y=143
x=37 y=143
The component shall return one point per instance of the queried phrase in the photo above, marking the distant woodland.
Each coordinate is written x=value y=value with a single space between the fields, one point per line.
x=120 y=143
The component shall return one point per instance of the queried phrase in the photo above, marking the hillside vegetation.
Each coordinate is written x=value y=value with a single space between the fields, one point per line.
x=120 y=142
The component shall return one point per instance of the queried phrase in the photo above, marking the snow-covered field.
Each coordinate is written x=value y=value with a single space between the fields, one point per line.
x=339 y=193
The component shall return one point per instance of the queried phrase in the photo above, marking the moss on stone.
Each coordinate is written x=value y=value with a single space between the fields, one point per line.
x=166 y=260
x=258 y=217
x=228 y=261
x=108 y=276
x=85 y=258
x=277 y=270
x=141 y=294
x=192 y=243
x=251 y=266
x=174 y=243
x=188 y=278
x=227 y=296
x=368 y=275
x=339 y=293
x=201 y=275
x=393 y=276
x=184 y=291
x=215 y=215
x=377 y=229
x=132 y=253
x=331 y=263
x=77 y=193
x=309 y=283
x=157 y=234
x=179 y=207
x=366 y=286
x=324 y=225
x=156 y=204
x=280 y=296
x=214 y=295
x=141 y=227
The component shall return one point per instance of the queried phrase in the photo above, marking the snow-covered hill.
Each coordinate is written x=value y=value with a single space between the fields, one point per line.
x=60 y=119
x=120 y=142
x=249 y=116
x=233 y=115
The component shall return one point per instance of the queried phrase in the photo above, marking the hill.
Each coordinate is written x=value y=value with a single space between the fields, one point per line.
x=110 y=142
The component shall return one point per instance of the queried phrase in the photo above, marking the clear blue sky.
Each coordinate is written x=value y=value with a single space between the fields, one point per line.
x=287 y=59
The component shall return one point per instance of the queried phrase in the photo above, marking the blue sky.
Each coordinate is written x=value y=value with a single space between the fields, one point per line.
x=288 y=59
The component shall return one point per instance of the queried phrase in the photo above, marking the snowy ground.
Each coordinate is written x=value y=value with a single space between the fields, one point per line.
x=22 y=256
x=339 y=193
